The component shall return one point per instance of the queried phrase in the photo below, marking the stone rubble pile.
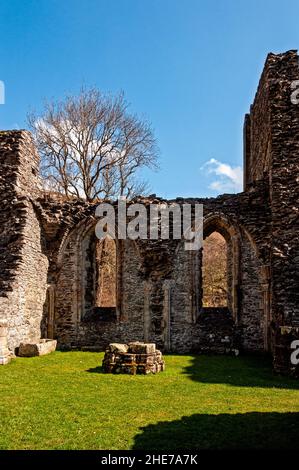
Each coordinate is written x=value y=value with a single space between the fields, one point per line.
x=133 y=358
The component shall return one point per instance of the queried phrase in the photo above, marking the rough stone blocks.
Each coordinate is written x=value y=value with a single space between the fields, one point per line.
x=43 y=347
x=133 y=358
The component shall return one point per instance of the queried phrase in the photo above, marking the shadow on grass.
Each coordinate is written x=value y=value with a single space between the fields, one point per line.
x=223 y=431
x=246 y=371
x=96 y=370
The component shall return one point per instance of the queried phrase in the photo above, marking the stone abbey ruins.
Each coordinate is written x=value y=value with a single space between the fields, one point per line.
x=53 y=283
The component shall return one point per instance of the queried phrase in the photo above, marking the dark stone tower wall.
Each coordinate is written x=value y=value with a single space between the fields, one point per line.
x=284 y=193
x=271 y=151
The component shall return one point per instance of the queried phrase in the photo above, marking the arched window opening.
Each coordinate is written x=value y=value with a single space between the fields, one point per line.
x=214 y=271
x=100 y=280
x=105 y=291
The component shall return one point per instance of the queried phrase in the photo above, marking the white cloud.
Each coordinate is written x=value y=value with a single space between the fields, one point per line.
x=230 y=179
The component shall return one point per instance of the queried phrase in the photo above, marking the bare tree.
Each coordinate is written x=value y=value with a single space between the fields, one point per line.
x=92 y=147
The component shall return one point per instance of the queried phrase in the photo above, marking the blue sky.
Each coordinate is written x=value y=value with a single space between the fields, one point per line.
x=191 y=67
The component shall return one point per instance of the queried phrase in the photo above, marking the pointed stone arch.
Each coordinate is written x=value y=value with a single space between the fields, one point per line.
x=217 y=222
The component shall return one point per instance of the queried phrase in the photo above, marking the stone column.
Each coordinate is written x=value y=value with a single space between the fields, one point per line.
x=4 y=351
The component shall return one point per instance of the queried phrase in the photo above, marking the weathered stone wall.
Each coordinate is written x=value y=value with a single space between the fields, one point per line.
x=29 y=294
x=257 y=135
x=274 y=147
x=183 y=292
x=284 y=68
x=23 y=265
x=251 y=318
x=46 y=241
x=280 y=130
x=159 y=293
x=75 y=329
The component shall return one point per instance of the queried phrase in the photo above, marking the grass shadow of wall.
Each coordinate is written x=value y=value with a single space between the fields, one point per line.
x=244 y=371
x=222 y=431
x=96 y=370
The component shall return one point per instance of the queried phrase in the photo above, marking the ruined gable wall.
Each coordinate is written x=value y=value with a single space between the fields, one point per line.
x=285 y=209
x=283 y=69
x=281 y=119
x=257 y=135
x=272 y=151
x=23 y=266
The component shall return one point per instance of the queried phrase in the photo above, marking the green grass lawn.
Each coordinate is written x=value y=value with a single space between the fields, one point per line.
x=64 y=401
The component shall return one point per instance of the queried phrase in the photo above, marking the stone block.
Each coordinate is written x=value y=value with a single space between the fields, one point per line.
x=118 y=348
x=142 y=348
x=144 y=359
x=43 y=347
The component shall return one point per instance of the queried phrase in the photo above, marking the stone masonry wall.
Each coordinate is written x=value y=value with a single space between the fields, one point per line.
x=158 y=282
x=23 y=265
x=71 y=327
x=280 y=71
x=44 y=241
x=251 y=319
x=283 y=69
x=274 y=130
x=257 y=135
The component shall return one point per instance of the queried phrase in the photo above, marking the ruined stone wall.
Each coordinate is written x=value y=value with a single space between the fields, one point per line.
x=212 y=329
x=129 y=324
x=280 y=130
x=45 y=241
x=251 y=316
x=257 y=135
x=159 y=291
x=25 y=312
x=273 y=126
x=23 y=265
x=284 y=68
x=183 y=314
x=75 y=329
